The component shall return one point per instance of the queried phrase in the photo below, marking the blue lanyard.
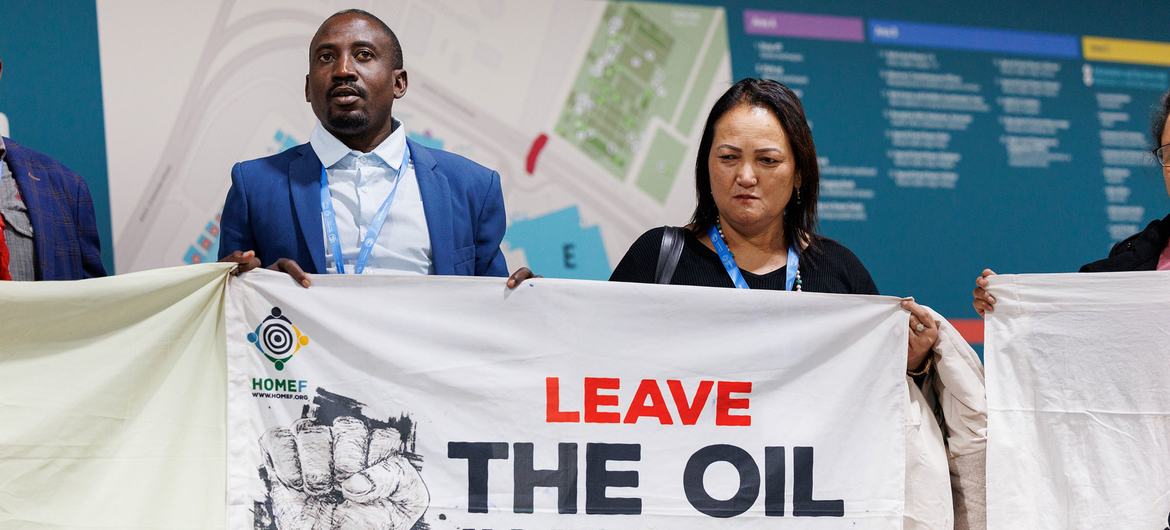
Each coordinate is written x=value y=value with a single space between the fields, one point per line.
x=733 y=269
x=372 y=231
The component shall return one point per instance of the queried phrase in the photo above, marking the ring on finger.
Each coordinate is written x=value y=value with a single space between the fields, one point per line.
x=918 y=327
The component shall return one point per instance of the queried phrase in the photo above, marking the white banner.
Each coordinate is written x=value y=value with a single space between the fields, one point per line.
x=444 y=403
x=1078 y=391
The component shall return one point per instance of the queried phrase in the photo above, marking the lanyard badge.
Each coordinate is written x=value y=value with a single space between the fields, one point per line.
x=733 y=269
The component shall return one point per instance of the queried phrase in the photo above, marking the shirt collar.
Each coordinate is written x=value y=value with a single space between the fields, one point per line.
x=330 y=150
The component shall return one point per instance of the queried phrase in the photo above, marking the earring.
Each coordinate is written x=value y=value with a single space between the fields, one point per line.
x=798 y=196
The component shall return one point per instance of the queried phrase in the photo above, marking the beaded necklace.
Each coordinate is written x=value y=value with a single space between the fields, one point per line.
x=795 y=263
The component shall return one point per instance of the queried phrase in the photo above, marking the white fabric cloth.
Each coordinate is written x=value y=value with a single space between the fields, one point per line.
x=1079 y=394
x=359 y=183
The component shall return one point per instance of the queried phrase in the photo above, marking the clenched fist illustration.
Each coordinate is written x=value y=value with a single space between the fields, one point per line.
x=342 y=477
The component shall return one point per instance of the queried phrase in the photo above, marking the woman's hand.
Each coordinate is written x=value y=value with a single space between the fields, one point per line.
x=521 y=274
x=983 y=301
x=923 y=334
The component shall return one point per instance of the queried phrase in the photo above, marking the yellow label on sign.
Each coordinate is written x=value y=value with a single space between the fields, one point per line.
x=1126 y=51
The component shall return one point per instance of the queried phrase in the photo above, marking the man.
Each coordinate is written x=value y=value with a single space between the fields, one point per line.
x=49 y=231
x=360 y=189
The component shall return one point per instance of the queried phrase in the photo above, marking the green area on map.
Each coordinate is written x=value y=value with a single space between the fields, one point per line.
x=663 y=158
x=641 y=64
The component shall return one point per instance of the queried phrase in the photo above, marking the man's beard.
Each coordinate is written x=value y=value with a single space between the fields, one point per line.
x=350 y=122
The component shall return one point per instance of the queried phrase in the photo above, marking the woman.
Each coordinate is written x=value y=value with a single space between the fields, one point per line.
x=1144 y=251
x=756 y=179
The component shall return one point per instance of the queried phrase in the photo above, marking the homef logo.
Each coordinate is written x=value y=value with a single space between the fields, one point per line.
x=278 y=339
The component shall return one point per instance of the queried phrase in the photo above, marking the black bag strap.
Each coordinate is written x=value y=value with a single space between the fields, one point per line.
x=672 y=246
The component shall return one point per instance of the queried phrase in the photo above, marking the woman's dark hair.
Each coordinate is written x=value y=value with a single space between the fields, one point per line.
x=800 y=216
x=1160 y=114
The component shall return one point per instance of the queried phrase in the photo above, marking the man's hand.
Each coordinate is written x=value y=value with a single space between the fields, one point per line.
x=344 y=476
x=518 y=277
x=247 y=260
x=291 y=268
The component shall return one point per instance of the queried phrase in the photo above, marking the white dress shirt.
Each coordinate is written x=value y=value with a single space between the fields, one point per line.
x=359 y=183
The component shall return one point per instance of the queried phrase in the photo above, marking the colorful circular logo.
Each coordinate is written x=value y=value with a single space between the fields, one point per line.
x=278 y=339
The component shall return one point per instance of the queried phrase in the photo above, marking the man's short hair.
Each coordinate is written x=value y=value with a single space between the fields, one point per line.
x=381 y=25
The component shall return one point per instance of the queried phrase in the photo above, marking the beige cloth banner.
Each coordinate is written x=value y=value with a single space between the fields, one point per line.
x=112 y=401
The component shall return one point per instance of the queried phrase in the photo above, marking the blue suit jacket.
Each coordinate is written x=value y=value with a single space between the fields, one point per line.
x=65 y=235
x=274 y=208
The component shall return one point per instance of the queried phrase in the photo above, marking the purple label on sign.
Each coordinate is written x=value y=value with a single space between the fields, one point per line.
x=823 y=27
